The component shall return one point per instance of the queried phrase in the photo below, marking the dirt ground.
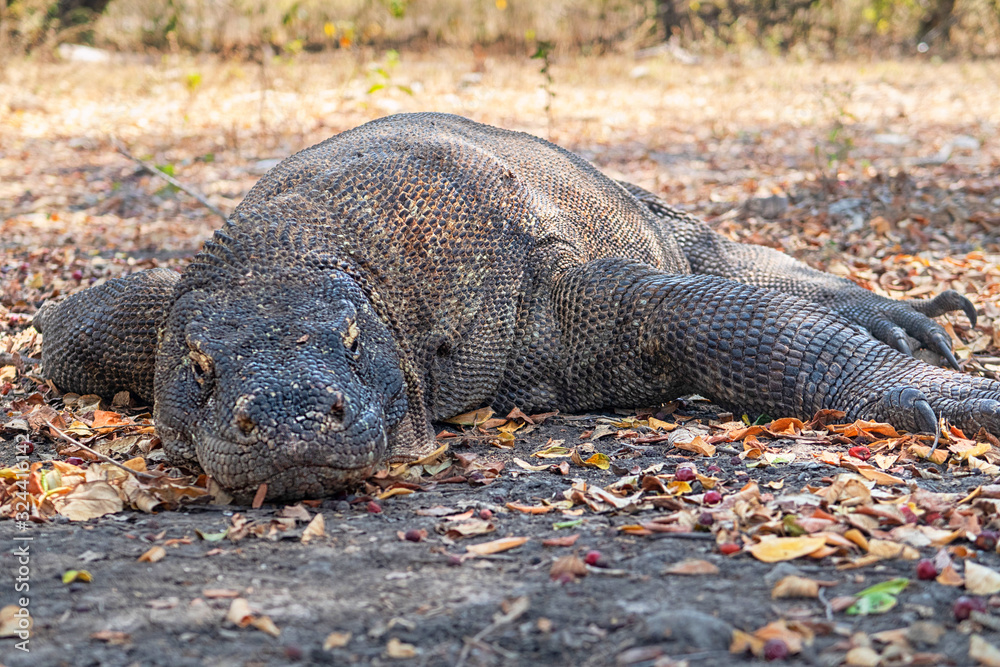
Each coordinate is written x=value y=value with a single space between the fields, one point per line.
x=888 y=173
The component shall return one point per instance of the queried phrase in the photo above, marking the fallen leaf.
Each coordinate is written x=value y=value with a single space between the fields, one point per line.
x=794 y=586
x=239 y=612
x=567 y=541
x=15 y=620
x=698 y=445
x=571 y=566
x=315 y=529
x=89 y=500
x=530 y=509
x=981 y=580
x=496 y=546
x=473 y=418
x=775 y=549
x=336 y=640
x=266 y=625
x=394 y=648
x=983 y=652
x=692 y=566
x=154 y=554
x=69 y=576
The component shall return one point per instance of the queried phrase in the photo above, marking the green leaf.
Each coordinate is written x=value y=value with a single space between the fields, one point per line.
x=567 y=524
x=211 y=537
x=892 y=587
x=375 y=88
x=879 y=598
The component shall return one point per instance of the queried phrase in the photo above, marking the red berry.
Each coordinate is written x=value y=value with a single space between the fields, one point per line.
x=728 y=548
x=712 y=498
x=987 y=540
x=706 y=519
x=926 y=569
x=775 y=649
x=374 y=507
x=860 y=452
x=485 y=514
x=713 y=469
x=593 y=557
x=965 y=605
x=25 y=447
x=75 y=461
x=77 y=275
x=685 y=474
x=413 y=536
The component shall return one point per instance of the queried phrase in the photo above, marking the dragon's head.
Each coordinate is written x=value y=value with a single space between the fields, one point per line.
x=278 y=379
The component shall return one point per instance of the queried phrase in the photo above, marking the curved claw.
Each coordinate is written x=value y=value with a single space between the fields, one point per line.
x=900 y=343
x=911 y=405
x=944 y=349
x=928 y=420
x=970 y=311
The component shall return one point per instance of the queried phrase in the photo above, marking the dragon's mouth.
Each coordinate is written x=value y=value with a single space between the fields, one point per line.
x=292 y=470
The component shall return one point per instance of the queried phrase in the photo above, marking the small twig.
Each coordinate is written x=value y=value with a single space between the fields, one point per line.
x=102 y=457
x=828 y=609
x=681 y=536
x=15 y=359
x=477 y=640
x=151 y=168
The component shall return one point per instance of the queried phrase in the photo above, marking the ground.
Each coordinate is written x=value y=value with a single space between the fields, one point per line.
x=888 y=173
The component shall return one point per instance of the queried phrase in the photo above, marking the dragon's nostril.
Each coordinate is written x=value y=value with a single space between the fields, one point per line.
x=241 y=413
x=337 y=406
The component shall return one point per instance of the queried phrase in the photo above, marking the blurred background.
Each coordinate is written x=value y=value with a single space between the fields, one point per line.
x=813 y=28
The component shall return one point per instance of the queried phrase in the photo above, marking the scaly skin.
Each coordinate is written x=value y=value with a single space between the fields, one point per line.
x=423 y=265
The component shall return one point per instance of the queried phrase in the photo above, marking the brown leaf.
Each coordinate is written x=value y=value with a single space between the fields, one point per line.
x=571 y=566
x=530 y=509
x=496 y=546
x=691 y=566
x=315 y=529
x=567 y=541
x=336 y=640
x=794 y=586
x=154 y=554
x=89 y=500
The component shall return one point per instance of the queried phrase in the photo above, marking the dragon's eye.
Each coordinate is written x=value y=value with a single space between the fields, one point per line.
x=352 y=338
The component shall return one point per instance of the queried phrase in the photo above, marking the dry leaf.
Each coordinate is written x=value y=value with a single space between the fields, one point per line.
x=89 y=500
x=981 y=580
x=692 y=566
x=239 y=613
x=15 y=620
x=496 y=546
x=473 y=418
x=698 y=445
x=775 y=549
x=794 y=586
x=530 y=509
x=983 y=652
x=336 y=640
x=394 y=648
x=266 y=625
x=315 y=529
x=154 y=554
x=568 y=566
x=567 y=541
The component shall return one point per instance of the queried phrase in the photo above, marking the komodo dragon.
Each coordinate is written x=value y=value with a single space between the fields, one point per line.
x=423 y=265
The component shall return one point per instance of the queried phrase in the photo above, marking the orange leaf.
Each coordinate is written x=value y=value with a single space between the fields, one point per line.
x=496 y=546
x=529 y=509
x=777 y=549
